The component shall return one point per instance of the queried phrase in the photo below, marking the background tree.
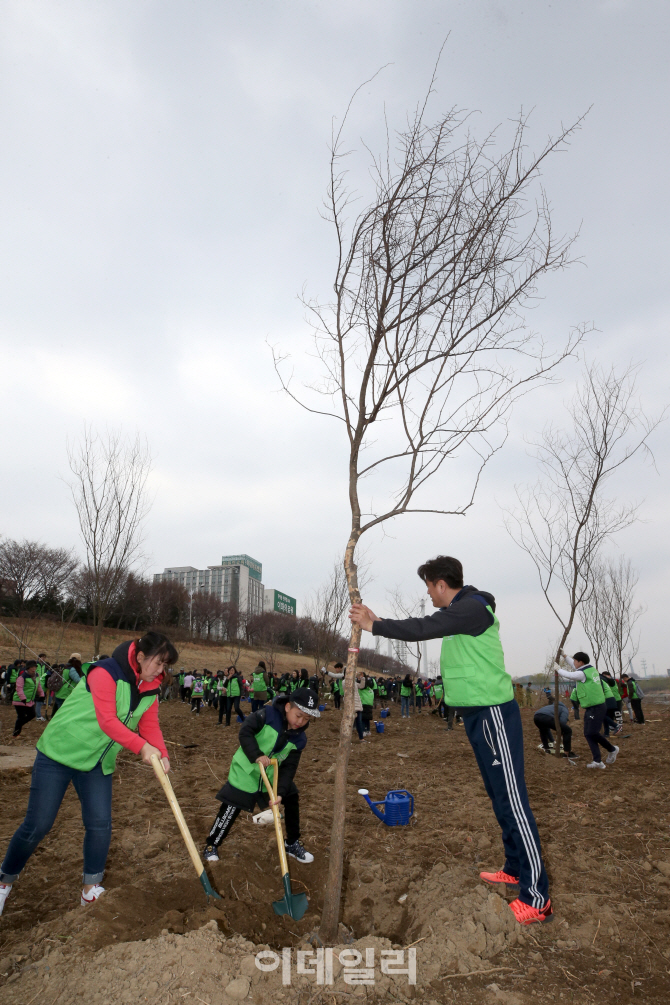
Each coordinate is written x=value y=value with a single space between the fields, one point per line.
x=327 y=611
x=109 y=492
x=206 y=614
x=563 y=520
x=609 y=615
x=35 y=580
x=421 y=348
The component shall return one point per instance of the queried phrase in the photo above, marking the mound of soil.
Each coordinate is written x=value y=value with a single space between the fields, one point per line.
x=605 y=840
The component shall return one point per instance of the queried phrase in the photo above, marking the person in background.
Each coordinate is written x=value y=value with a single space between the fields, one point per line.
x=592 y=699
x=26 y=691
x=545 y=721
x=338 y=677
x=259 y=686
x=42 y=674
x=233 y=693
x=197 y=692
x=529 y=696
x=71 y=675
x=337 y=686
x=405 y=695
x=188 y=684
x=635 y=696
x=574 y=702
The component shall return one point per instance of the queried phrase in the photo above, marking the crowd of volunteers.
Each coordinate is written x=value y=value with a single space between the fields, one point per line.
x=94 y=709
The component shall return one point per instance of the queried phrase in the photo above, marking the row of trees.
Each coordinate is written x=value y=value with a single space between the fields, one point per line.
x=41 y=582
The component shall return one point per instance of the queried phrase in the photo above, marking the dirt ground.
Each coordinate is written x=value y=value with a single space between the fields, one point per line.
x=606 y=842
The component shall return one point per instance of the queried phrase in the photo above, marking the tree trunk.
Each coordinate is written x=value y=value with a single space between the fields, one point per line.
x=557 y=721
x=330 y=915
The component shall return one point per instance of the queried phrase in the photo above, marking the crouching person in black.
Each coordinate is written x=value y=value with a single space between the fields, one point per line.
x=276 y=730
x=545 y=721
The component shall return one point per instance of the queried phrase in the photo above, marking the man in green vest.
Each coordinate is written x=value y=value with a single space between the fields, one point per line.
x=476 y=683
x=41 y=671
x=591 y=698
x=635 y=695
x=71 y=674
x=274 y=731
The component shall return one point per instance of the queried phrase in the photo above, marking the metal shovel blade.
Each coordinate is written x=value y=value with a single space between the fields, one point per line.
x=293 y=904
x=207 y=886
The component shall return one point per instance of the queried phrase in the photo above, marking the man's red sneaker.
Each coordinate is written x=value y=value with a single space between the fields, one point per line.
x=499 y=877
x=527 y=915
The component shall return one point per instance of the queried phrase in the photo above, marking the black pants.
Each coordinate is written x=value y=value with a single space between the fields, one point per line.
x=636 y=705
x=228 y=814
x=575 y=709
x=545 y=727
x=195 y=704
x=337 y=698
x=182 y=692
x=593 y=721
x=609 y=721
x=24 y=713
x=449 y=716
x=229 y=707
x=257 y=703
x=367 y=717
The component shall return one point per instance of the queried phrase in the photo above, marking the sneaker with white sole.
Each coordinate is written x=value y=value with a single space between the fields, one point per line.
x=92 y=895
x=596 y=764
x=611 y=757
x=296 y=851
x=5 y=890
x=210 y=853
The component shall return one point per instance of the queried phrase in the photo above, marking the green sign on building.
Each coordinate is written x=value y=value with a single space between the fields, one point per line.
x=280 y=602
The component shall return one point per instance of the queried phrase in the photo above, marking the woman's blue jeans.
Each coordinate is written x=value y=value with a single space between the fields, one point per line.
x=358 y=723
x=47 y=789
x=404 y=705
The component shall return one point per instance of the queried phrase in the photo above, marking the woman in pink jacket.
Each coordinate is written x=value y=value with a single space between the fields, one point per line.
x=28 y=688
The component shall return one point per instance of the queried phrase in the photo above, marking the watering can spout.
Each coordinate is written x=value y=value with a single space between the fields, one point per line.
x=373 y=807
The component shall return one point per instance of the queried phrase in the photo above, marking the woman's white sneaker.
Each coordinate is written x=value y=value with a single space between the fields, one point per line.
x=5 y=890
x=92 y=895
x=596 y=764
x=611 y=757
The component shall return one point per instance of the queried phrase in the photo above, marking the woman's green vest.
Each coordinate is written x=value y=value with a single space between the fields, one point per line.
x=258 y=681
x=233 y=687
x=590 y=692
x=29 y=689
x=245 y=774
x=75 y=739
x=367 y=696
x=68 y=686
x=632 y=690
x=473 y=669
x=608 y=691
x=405 y=690
x=438 y=691
x=338 y=687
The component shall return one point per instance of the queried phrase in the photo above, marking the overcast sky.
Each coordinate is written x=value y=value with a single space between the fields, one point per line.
x=163 y=165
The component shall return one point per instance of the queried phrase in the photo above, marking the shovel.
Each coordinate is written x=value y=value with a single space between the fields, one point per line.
x=183 y=827
x=293 y=904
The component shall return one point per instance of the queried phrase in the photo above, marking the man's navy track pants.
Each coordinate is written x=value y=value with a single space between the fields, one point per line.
x=497 y=739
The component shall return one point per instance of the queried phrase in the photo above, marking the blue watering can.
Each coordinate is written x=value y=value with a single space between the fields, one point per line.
x=398 y=807
x=380 y=727
x=384 y=712
x=322 y=708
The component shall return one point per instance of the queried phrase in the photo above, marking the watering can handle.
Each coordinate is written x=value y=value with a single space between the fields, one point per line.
x=405 y=792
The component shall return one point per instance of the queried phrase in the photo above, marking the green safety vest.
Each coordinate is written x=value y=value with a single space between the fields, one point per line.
x=632 y=690
x=233 y=687
x=85 y=667
x=42 y=674
x=382 y=689
x=573 y=695
x=220 y=686
x=75 y=739
x=198 y=688
x=68 y=686
x=590 y=692
x=180 y=679
x=258 y=681
x=473 y=669
x=438 y=691
x=14 y=673
x=29 y=689
x=405 y=690
x=608 y=690
x=337 y=687
x=367 y=696
x=245 y=774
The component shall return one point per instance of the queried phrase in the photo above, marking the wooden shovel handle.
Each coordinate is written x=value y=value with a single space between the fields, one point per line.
x=272 y=793
x=178 y=815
